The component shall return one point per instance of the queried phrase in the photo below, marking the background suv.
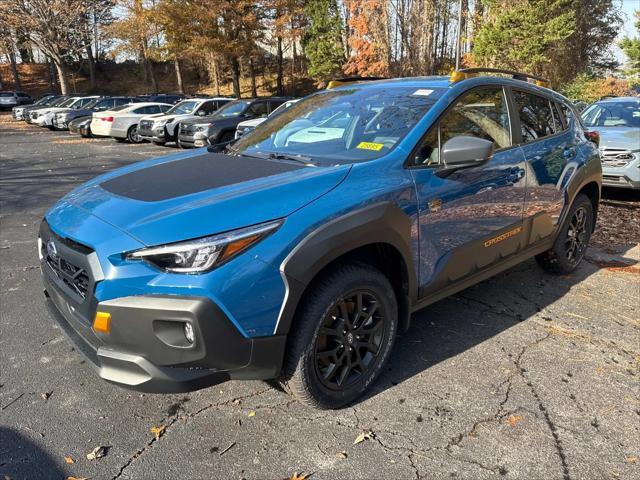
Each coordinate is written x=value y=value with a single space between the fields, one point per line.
x=12 y=99
x=617 y=120
x=162 y=127
x=301 y=251
x=221 y=126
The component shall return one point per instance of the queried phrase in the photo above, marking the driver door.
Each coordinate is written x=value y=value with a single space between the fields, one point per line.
x=469 y=218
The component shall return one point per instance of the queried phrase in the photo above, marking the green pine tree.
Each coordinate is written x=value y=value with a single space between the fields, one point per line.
x=631 y=48
x=323 y=39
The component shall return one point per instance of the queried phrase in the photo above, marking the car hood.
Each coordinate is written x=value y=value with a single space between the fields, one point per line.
x=193 y=194
x=254 y=122
x=619 y=137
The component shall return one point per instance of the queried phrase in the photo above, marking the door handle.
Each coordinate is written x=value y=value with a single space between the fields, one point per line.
x=515 y=175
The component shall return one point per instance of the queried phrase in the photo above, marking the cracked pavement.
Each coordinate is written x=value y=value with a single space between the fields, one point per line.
x=524 y=376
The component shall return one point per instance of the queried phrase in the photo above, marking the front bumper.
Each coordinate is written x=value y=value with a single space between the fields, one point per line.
x=198 y=139
x=622 y=177
x=60 y=123
x=153 y=134
x=17 y=113
x=146 y=348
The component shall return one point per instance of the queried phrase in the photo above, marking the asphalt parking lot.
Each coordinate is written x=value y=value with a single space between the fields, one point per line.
x=524 y=376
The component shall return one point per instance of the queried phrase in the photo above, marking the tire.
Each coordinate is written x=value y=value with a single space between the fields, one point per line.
x=132 y=135
x=569 y=248
x=312 y=374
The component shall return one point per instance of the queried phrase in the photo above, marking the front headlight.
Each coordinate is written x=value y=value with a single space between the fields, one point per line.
x=204 y=254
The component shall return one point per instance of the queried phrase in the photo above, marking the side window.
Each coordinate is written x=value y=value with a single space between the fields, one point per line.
x=258 y=109
x=142 y=111
x=480 y=113
x=207 y=108
x=558 y=115
x=536 y=118
x=273 y=104
x=120 y=101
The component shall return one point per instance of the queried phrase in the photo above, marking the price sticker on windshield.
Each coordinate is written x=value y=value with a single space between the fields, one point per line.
x=370 y=146
x=423 y=92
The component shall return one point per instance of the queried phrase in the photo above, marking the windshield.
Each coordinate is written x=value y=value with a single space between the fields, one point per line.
x=612 y=114
x=341 y=126
x=66 y=102
x=7 y=94
x=232 y=109
x=58 y=102
x=183 y=108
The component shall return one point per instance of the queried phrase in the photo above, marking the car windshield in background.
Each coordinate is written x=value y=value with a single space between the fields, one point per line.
x=66 y=103
x=183 y=108
x=612 y=114
x=232 y=109
x=341 y=126
x=6 y=94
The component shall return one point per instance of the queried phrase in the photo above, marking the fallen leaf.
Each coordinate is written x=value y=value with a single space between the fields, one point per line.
x=97 y=452
x=341 y=455
x=631 y=459
x=68 y=460
x=158 y=431
x=366 y=435
x=513 y=420
x=298 y=476
x=45 y=396
x=251 y=414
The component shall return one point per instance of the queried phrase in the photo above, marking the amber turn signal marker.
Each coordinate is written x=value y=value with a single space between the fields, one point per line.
x=102 y=322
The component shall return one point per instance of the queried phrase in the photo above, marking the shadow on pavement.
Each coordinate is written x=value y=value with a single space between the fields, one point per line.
x=21 y=459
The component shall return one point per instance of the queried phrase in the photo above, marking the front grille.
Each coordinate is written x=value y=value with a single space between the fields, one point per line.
x=616 y=157
x=146 y=124
x=187 y=129
x=74 y=277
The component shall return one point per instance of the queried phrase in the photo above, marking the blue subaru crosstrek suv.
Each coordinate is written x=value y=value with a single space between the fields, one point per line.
x=298 y=252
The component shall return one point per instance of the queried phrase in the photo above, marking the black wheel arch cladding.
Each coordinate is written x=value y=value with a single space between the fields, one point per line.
x=380 y=223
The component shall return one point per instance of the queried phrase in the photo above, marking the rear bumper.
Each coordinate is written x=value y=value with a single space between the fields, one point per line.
x=146 y=349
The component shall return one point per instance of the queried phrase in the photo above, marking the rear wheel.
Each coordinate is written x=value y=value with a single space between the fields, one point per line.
x=133 y=136
x=569 y=248
x=342 y=336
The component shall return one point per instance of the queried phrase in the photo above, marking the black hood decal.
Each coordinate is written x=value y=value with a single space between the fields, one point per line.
x=191 y=175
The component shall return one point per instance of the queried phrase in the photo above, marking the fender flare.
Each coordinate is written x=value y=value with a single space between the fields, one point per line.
x=378 y=223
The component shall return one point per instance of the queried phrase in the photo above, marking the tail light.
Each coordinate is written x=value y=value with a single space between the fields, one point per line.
x=593 y=136
x=107 y=119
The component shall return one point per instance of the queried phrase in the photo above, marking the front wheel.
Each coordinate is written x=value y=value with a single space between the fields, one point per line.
x=341 y=337
x=569 y=248
x=133 y=136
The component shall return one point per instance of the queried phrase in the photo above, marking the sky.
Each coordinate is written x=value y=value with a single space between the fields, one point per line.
x=628 y=6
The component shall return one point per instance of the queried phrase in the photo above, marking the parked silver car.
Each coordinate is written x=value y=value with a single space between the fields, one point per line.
x=9 y=100
x=617 y=120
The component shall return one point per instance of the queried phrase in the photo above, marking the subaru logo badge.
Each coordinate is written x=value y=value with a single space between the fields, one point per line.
x=51 y=249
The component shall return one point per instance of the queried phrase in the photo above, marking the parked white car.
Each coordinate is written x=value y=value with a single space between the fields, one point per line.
x=45 y=116
x=121 y=122
x=161 y=128
x=248 y=125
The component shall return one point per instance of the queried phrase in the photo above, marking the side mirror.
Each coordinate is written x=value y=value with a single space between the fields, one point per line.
x=464 y=151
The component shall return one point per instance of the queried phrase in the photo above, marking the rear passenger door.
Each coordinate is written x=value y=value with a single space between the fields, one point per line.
x=551 y=150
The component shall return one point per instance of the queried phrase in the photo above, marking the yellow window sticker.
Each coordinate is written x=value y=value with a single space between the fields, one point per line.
x=370 y=146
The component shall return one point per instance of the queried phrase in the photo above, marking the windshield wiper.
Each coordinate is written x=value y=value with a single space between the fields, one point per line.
x=294 y=158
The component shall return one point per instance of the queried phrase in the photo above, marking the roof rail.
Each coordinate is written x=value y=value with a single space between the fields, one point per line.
x=346 y=80
x=465 y=73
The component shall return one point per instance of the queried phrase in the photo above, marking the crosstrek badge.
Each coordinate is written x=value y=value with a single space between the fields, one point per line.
x=370 y=146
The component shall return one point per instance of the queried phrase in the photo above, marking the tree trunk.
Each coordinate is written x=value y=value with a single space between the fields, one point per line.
x=1 y=84
x=14 y=70
x=176 y=64
x=293 y=67
x=279 y=73
x=152 y=76
x=252 y=72
x=63 y=77
x=92 y=66
x=235 y=76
